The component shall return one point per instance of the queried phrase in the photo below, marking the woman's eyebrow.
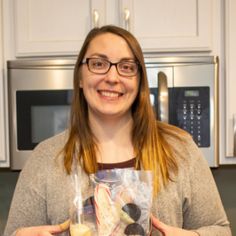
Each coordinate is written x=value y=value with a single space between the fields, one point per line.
x=104 y=56
x=127 y=59
x=99 y=55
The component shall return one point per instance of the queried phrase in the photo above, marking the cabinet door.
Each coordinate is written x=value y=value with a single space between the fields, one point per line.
x=230 y=63
x=55 y=27
x=169 y=25
x=4 y=157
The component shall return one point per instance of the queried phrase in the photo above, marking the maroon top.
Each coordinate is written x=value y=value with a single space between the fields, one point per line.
x=125 y=164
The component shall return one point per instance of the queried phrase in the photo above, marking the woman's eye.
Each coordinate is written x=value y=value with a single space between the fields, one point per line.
x=98 y=64
x=127 y=67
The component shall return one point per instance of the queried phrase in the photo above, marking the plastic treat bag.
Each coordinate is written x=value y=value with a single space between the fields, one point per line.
x=119 y=204
x=123 y=199
x=82 y=213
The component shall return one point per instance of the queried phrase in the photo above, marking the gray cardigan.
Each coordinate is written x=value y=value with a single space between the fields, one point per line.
x=191 y=201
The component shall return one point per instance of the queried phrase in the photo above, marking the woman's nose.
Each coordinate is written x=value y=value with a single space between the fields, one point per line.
x=112 y=75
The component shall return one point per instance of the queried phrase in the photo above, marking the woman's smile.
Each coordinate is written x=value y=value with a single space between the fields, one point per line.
x=110 y=94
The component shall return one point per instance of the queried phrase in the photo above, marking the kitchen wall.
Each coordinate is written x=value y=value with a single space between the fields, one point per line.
x=225 y=178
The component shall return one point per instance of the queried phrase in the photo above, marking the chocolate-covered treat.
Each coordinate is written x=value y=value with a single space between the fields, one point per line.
x=134 y=229
x=132 y=210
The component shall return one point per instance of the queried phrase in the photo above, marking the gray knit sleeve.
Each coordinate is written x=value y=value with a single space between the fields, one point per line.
x=205 y=211
x=28 y=205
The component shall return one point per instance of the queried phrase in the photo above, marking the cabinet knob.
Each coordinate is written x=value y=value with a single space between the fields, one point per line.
x=95 y=18
x=127 y=18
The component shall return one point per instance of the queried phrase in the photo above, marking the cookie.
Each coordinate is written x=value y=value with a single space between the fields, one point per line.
x=132 y=210
x=134 y=229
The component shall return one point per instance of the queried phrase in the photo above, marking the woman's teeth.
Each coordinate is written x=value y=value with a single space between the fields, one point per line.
x=109 y=94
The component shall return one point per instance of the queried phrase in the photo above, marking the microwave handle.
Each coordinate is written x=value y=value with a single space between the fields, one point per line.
x=163 y=98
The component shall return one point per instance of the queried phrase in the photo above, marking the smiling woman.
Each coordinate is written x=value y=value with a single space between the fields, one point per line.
x=113 y=125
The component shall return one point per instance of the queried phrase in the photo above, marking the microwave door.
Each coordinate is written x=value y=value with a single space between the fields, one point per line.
x=163 y=97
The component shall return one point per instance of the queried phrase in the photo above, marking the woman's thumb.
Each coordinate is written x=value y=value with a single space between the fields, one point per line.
x=65 y=225
x=53 y=229
x=158 y=224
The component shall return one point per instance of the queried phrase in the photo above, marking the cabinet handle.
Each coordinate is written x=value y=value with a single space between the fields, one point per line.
x=95 y=18
x=127 y=19
x=163 y=98
x=234 y=129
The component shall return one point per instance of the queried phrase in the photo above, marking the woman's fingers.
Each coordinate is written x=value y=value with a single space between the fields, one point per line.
x=44 y=230
x=158 y=224
x=167 y=230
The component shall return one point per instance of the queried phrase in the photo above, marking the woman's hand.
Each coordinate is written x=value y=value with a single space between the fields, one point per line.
x=167 y=230
x=45 y=230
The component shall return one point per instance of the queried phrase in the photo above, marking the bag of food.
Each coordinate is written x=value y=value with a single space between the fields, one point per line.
x=120 y=204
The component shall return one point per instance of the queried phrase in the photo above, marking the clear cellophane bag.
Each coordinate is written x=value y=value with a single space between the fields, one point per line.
x=120 y=204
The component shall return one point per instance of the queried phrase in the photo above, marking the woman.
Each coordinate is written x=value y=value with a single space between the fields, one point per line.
x=113 y=126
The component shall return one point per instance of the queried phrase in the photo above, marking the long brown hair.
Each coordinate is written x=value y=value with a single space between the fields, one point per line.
x=151 y=149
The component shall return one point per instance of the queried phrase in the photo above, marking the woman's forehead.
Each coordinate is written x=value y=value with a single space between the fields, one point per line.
x=110 y=45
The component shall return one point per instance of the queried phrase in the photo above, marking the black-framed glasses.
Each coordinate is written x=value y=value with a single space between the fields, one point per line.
x=101 y=66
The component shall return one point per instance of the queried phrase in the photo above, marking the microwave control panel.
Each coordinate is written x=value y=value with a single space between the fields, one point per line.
x=189 y=109
x=191 y=112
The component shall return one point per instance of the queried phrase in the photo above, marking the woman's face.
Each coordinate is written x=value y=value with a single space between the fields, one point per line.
x=109 y=95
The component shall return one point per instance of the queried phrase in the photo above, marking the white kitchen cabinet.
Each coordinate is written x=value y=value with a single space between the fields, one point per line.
x=50 y=26
x=58 y=27
x=4 y=157
x=169 y=25
x=230 y=62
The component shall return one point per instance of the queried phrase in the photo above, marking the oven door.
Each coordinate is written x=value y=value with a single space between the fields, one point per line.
x=39 y=108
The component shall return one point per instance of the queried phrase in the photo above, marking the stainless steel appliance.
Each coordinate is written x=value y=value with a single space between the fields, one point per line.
x=187 y=96
x=183 y=92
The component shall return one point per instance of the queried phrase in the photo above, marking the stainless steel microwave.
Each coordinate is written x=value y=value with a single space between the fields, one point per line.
x=183 y=92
